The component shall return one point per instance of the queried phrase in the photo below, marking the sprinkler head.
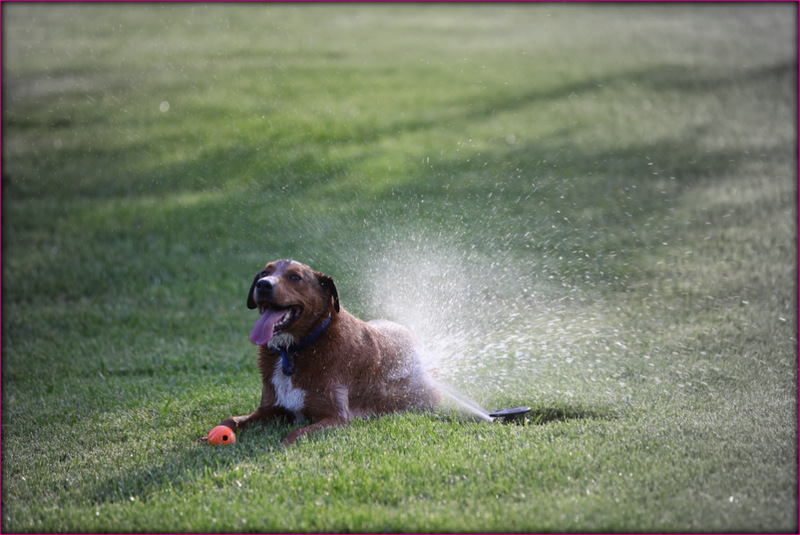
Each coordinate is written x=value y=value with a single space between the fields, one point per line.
x=511 y=414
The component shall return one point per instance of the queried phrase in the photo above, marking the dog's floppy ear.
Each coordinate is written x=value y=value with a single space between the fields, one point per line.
x=251 y=303
x=329 y=286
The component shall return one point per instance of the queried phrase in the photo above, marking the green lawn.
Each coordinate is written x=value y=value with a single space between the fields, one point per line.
x=588 y=209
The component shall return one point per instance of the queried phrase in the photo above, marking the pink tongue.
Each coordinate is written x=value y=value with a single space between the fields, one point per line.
x=262 y=331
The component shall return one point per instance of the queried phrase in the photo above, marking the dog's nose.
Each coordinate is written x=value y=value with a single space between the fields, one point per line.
x=264 y=285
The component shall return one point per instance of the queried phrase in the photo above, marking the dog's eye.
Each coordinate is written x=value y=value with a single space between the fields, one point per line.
x=295 y=277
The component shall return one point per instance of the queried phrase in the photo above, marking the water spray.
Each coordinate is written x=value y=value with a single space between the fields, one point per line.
x=483 y=321
x=506 y=416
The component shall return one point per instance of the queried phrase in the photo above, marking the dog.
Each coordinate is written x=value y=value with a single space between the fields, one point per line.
x=321 y=364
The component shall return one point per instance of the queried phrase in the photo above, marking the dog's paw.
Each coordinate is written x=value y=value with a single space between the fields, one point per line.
x=202 y=440
x=293 y=437
x=232 y=423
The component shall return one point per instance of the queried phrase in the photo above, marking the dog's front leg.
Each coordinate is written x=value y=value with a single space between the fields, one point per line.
x=262 y=414
x=333 y=421
x=336 y=406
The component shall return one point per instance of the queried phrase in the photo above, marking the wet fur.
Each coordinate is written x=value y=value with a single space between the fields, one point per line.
x=355 y=368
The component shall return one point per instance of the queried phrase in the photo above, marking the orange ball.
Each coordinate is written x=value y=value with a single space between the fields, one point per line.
x=222 y=434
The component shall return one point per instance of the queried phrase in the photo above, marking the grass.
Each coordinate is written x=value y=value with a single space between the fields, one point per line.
x=591 y=210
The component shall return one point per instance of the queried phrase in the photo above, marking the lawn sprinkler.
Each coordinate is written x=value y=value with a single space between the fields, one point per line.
x=511 y=415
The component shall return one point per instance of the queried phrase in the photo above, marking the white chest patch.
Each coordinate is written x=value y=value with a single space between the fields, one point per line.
x=289 y=397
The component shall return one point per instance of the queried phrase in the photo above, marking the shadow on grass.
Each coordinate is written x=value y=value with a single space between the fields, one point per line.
x=565 y=413
x=297 y=164
x=200 y=466
x=542 y=415
x=655 y=79
x=192 y=465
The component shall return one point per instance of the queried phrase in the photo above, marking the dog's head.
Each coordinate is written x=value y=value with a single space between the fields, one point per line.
x=292 y=299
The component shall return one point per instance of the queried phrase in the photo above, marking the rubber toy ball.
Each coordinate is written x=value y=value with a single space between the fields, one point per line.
x=222 y=434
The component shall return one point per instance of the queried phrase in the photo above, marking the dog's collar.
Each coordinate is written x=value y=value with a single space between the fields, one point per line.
x=289 y=353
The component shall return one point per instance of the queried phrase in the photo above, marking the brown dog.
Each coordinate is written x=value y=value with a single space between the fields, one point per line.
x=318 y=362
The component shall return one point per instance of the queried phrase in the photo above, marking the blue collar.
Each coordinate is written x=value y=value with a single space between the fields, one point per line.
x=289 y=353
